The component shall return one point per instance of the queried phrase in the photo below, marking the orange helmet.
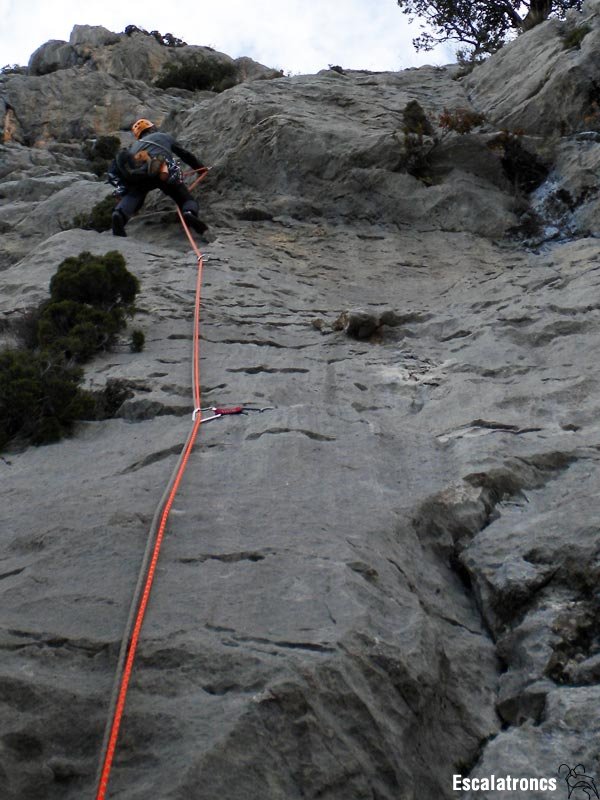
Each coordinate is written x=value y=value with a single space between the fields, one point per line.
x=140 y=126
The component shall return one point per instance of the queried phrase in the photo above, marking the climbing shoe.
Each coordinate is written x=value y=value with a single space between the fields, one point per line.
x=195 y=223
x=118 y=224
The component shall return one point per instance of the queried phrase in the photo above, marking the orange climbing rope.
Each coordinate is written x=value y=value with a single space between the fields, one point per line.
x=201 y=174
x=196 y=349
x=156 y=536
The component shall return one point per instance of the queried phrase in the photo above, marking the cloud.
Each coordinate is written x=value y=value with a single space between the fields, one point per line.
x=293 y=35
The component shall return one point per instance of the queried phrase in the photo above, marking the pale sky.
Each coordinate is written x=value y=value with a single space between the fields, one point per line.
x=294 y=35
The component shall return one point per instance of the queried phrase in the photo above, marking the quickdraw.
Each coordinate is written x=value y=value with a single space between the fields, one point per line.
x=218 y=411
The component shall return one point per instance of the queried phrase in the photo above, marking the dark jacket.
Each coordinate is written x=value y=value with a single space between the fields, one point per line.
x=158 y=143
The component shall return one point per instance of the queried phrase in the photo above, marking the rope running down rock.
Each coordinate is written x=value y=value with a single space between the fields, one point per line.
x=156 y=534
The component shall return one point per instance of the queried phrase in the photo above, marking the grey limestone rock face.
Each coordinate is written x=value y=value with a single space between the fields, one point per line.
x=71 y=115
x=517 y=87
x=92 y=35
x=351 y=160
x=137 y=56
x=251 y=70
x=52 y=56
x=389 y=575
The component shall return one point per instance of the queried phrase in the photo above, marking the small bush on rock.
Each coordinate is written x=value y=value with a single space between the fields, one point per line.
x=414 y=120
x=25 y=326
x=110 y=399
x=138 y=340
x=416 y=157
x=99 y=218
x=101 y=281
x=40 y=398
x=40 y=393
x=90 y=297
x=168 y=40
x=76 y=330
x=100 y=152
x=461 y=120
x=197 y=74
x=106 y=147
x=575 y=37
x=418 y=140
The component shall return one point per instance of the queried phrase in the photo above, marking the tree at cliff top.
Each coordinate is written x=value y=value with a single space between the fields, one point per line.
x=482 y=26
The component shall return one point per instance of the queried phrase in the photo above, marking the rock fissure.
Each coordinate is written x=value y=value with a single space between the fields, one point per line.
x=318 y=437
x=10 y=574
x=505 y=613
x=227 y=558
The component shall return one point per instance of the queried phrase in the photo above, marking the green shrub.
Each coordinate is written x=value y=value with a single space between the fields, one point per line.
x=100 y=152
x=415 y=120
x=90 y=297
x=110 y=399
x=76 y=330
x=198 y=73
x=416 y=157
x=138 y=340
x=25 y=326
x=40 y=393
x=106 y=147
x=418 y=141
x=167 y=40
x=40 y=399
x=100 y=281
x=99 y=218
x=575 y=37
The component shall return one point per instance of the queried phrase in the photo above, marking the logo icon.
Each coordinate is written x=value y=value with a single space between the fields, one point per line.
x=580 y=785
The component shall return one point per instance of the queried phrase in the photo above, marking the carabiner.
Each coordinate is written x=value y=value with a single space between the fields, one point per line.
x=221 y=411
x=205 y=419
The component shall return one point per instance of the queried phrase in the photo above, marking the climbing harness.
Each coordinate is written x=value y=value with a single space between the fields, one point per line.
x=156 y=535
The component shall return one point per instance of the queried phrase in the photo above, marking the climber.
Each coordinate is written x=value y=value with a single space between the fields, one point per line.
x=150 y=164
